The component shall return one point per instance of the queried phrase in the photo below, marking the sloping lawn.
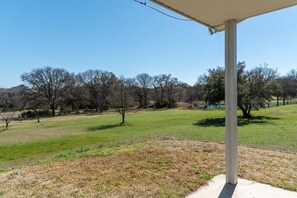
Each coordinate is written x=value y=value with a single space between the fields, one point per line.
x=29 y=142
x=155 y=168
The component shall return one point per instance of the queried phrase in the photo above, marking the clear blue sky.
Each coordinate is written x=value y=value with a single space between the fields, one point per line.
x=126 y=38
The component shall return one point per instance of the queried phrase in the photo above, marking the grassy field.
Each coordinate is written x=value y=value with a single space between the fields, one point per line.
x=29 y=142
x=167 y=153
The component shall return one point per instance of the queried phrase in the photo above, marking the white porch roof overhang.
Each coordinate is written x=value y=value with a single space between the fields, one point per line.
x=221 y=15
x=214 y=13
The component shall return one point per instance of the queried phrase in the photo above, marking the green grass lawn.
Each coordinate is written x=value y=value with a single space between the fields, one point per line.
x=29 y=142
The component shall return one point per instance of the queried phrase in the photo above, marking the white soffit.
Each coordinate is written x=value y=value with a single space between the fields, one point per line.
x=214 y=13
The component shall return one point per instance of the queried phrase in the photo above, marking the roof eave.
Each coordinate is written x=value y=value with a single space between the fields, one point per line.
x=216 y=27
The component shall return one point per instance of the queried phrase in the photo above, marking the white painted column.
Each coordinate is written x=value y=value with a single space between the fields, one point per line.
x=231 y=101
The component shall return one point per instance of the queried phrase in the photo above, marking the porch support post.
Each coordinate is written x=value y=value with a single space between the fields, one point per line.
x=231 y=101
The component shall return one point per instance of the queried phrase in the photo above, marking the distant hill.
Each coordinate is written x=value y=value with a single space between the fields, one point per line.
x=13 y=89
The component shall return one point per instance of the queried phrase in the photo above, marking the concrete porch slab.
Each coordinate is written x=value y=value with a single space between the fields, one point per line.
x=244 y=189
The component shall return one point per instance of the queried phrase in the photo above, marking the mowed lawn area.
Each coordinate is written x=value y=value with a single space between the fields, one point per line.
x=178 y=149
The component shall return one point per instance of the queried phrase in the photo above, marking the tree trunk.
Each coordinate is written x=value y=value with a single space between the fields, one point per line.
x=191 y=104
x=123 y=118
x=101 y=108
x=245 y=112
x=162 y=96
x=145 y=100
x=284 y=99
x=249 y=112
x=140 y=102
x=7 y=123
x=38 y=119
x=277 y=101
x=53 y=110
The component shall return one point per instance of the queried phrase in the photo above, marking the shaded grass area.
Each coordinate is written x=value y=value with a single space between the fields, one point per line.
x=155 y=168
x=29 y=142
x=220 y=122
x=105 y=127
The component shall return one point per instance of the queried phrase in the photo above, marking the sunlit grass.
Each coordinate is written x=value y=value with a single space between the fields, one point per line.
x=29 y=142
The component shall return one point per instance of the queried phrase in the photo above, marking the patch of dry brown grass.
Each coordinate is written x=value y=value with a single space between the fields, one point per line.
x=269 y=167
x=152 y=169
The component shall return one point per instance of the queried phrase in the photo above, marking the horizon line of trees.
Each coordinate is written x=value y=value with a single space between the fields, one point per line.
x=50 y=88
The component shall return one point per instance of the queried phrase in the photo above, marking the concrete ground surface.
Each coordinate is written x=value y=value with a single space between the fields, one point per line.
x=244 y=189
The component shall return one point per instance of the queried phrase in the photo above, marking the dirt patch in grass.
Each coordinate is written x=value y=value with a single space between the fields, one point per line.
x=168 y=168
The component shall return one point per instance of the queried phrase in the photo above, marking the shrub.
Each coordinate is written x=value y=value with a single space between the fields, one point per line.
x=36 y=113
x=65 y=111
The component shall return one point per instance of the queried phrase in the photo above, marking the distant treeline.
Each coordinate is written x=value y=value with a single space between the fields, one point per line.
x=54 y=89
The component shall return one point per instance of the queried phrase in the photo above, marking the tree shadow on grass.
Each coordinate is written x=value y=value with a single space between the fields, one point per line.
x=105 y=127
x=220 y=122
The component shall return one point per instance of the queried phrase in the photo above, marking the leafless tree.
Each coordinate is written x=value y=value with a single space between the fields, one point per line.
x=186 y=94
x=292 y=74
x=287 y=86
x=48 y=83
x=144 y=82
x=7 y=117
x=76 y=96
x=121 y=97
x=98 y=83
x=33 y=101
x=171 y=86
x=164 y=87
x=291 y=84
